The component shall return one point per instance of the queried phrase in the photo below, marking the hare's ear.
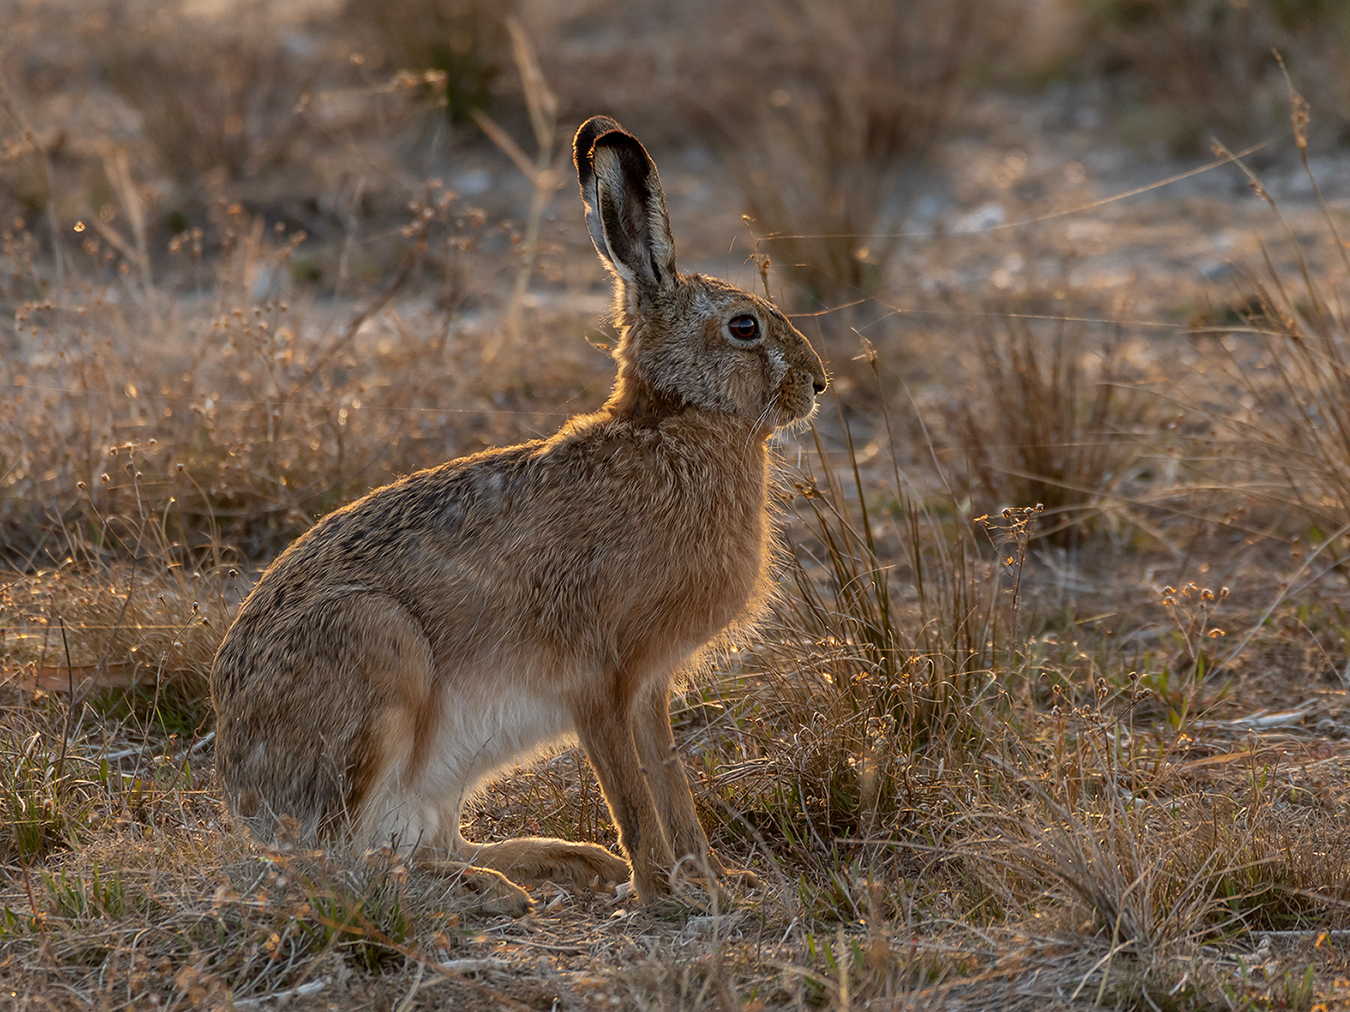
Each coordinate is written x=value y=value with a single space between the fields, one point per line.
x=625 y=207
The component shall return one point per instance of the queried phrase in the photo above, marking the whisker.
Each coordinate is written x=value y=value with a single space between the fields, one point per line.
x=763 y=417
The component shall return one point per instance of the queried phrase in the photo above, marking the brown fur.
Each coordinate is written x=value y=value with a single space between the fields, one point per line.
x=412 y=644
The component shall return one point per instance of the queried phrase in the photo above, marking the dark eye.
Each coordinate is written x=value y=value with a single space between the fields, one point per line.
x=744 y=327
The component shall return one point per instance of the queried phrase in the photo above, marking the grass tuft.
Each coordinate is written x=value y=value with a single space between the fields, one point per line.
x=1052 y=419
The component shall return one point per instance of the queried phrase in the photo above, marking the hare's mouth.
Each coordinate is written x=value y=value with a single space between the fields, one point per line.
x=793 y=405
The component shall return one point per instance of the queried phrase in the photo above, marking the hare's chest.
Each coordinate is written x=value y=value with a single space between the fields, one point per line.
x=705 y=583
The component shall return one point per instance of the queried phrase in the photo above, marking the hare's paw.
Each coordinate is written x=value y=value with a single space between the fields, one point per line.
x=709 y=871
x=494 y=893
x=484 y=890
x=652 y=886
x=576 y=866
x=744 y=876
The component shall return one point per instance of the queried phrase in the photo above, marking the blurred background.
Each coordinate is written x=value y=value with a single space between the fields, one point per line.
x=303 y=246
x=847 y=125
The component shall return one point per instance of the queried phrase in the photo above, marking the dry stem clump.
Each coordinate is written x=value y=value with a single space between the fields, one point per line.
x=1282 y=403
x=1051 y=418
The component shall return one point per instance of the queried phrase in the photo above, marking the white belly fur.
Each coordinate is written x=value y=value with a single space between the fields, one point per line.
x=480 y=734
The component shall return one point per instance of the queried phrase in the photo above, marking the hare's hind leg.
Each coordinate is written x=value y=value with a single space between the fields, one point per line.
x=532 y=859
x=670 y=787
x=540 y=859
x=321 y=711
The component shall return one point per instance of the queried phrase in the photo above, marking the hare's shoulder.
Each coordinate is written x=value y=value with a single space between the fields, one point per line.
x=441 y=498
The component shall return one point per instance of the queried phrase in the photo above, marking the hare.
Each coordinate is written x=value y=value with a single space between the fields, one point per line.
x=417 y=641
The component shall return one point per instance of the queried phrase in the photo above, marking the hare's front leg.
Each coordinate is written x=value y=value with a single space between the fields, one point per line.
x=604 y=722
x=670 y=786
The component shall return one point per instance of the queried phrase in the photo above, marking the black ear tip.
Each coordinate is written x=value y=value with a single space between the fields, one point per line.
x=587 y=134
x=635 y=164
x=625 y=144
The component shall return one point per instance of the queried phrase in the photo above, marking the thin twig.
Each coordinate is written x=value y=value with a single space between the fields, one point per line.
x=70 y=704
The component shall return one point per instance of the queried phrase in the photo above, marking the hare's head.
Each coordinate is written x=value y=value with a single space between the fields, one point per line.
x=687 y=341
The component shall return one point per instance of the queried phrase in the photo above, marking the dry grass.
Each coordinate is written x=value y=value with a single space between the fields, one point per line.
x=972 y=769
x=265 y=411
x=1289 y=373
x=1053 y=417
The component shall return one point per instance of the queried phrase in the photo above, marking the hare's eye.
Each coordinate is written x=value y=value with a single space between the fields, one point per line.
x=743 y=328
